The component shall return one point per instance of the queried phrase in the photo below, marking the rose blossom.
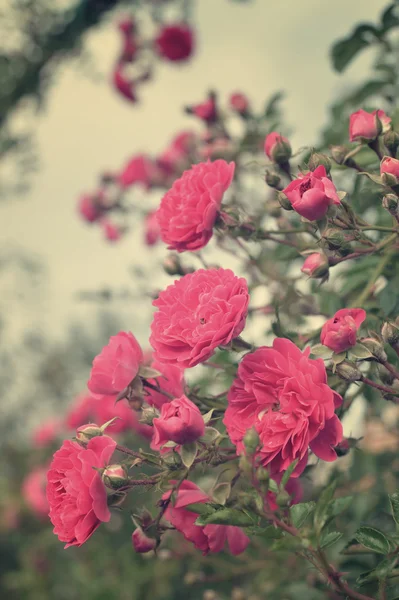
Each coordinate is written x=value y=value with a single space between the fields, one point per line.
x=339 y=332
x=75 y=491
x=171 y=380
x=206 y=111
x=284 y=395
x=89 y=209
x=151 y=228
x=196 y=314
x=364 y=125
x=239 y=103
x=137 y=170
x=112 y=232
x=315 y=265
x=116 y=366
x=141 y=542
x=180 y=422
x=34 y=491
x=188 y=211
x=211 y=538
x=312 y=194
x=46 y=432
x=277 y=147
x=175 y=42
x=391 y=166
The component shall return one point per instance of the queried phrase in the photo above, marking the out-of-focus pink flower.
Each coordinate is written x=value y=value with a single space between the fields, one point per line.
x=339 y=333
x=188 y=211
x=206 y=111
x=136 y=171
x=89 y=208
x=171 y=380
x=34 y=491
x=123 y=85
x=312 y=194
x=75 y=491
x=211 y=538
x=365 y=126
x=180 y=422
x=80 y=412
x=126 y=26
x=116 y=366
x=284 y=395
x=46 y=432
x=112 y=232
x=239 y=103
x=175 y=42
x=196 y=314
x=141 y=542
x=152 y=229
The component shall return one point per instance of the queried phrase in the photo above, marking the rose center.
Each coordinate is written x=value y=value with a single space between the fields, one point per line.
x=305 y=186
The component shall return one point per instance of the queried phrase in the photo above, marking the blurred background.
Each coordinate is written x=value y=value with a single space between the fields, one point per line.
x=64 y=289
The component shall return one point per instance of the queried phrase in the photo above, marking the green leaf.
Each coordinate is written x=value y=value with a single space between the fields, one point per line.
x=200 y=508
x=328 y=539
x=208 y=416
x=148 y=372
x=389 y=298
x=360 y=352
x=344 y=51
x=321 y=514
x=211 y=434
x=375 y=178
x=227 y=516
x=287 y=474
x=221 y=492
x=188 y=452
x=321 y=351
x=268 y=533
x=394 y=501
x=338 y=505
x=373 y=539
x=300 y=512
x=390 y=17
x=337 y=359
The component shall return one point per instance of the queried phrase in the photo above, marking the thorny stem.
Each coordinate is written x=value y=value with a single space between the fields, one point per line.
x=382 y=388
x=156 y=388
x=391 y=369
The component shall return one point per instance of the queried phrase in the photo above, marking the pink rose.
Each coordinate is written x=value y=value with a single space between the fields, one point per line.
x=239 y=103
x=206 y=111
x=391 y=166
x=46 y=432
x=171 y=380
x=34 y=491
x=180 y=422
x=112 y=232
x=311 y=195
x=284 y=395
x=136 y=171
x=315 y=265
x=211 y=538
x=89 y=209
x=196 y=314
x=365 y=126
x=141 y=542
x=151 y=228
x=175 y=42
x=339 y=333
x=188 y=211
x=116 y=366
x=123 y=85
x=177 y=153
x=277 y=147
x=75 y=491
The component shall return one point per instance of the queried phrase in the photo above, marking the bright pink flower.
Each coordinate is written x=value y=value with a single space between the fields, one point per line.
x=188 y=211
x=116 y=366
x=390 y=165
x=312 y=194
x=339 y=333
x=275 y=143
x=112 y=232
x=171 y=380
x=151 y=228
x=75 y=491
x=239 y=103
x=211 y=538
x=364 y=125
x=198 y=313
x=46 y=432
x=175 y=42
x=141 y=542
x=89 y=209
x=34 y=491
x=284 y=394
x=137 y=170
x=123 y=85
x=315 y=265
x=180 y=422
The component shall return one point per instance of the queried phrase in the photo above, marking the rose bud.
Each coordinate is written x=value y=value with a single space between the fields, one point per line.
x=391 y=142
x=389 y=169
x=317 y=159
x=239 y=103
x=272 y=179
x=364 y=126
x=376 y=348
x=284 y=202
x=390 y=333
x=180 y=422
x=251 y=441
x=175 y=42
x=315 y=265
x=87 y=432
x=141 y=542
x=348 y=371
x=391 y=204
x=115 y=477
x=343 y=448
x=277 y=148
x=339 y=332
x=311 y=195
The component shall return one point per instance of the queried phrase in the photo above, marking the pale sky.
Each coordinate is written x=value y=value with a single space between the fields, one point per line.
x=258 y=47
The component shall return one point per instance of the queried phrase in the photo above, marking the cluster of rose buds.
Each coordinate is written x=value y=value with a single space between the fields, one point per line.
x=174 y=42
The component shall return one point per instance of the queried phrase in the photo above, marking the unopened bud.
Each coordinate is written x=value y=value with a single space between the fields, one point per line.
x=85 y=433
x=315 y=265
x=339 y=153
x=390 y=333
x=391 y=203
x=334 y=239
x=283 y=499
x=376 y=348
x=284 y=202
x=244 y=465
x=141 y=542
x=318 y=159
x=391 y=142
x=272 y=179
x=251 y=441
x=148 y=415
x=348 y=371
x=343 y=448
x=115 y=477
x=263 y=475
